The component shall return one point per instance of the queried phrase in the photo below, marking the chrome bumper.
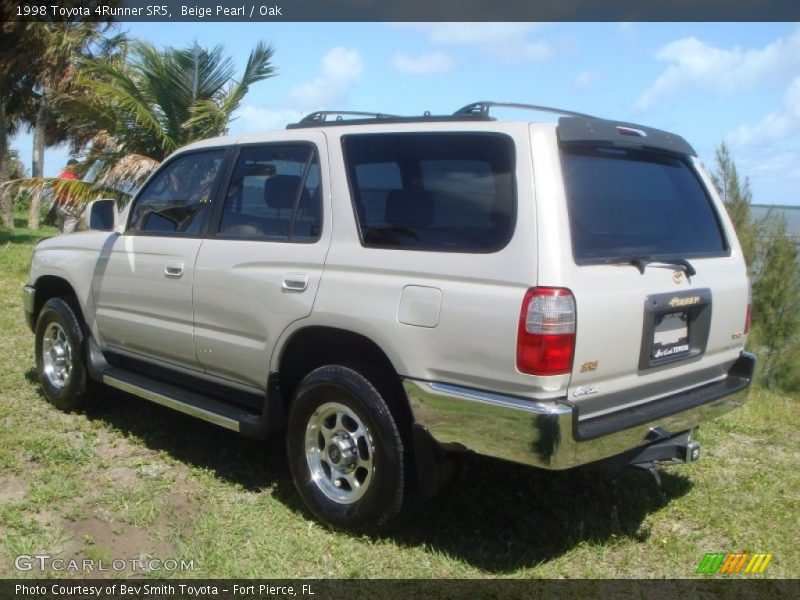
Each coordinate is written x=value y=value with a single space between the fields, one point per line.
x=28 y=297
x=550 y=434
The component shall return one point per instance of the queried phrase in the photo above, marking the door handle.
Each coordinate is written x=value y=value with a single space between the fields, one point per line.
x=174 y=268
x=295 y=282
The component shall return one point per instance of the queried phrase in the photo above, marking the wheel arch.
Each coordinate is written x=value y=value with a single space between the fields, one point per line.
x=312 y=346
x=55 y=286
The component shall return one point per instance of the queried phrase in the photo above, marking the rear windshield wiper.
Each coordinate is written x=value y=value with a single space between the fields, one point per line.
x=640 y=262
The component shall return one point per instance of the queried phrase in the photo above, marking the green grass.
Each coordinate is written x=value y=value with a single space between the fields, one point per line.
x=129 y=479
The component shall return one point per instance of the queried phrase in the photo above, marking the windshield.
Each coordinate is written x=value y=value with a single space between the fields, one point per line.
x=625 y=203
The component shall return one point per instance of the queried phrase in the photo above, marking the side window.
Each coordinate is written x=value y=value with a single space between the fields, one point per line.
x=179 y=197
x=449 y=192
x=274 y=194
x=375 y=182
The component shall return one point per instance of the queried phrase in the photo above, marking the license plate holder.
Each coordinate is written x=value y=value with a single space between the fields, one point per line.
x=670 y=335
x=675 y=327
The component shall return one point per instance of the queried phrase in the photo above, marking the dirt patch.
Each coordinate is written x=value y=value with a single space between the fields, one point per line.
x=45 y=519
x=114 y=539
x=123 y=540
x=113 y=446
x=12 y=488
x=115 y=548
x=179 y=504
x=120 y=476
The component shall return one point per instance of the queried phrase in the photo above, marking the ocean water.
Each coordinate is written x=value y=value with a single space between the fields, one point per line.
x=791 y=213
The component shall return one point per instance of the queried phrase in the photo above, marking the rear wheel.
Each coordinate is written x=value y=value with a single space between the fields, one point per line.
x=60 y=356
x=345 y=450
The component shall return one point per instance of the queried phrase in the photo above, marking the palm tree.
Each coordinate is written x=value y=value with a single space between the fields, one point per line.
x=20 y=50
x=16 y=169
x=157 y=101
x=126 y=112
x=61 y=45
x=7 y=128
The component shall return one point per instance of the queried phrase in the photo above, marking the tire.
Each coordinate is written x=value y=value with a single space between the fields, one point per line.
x=346 y=454
x=61 y=357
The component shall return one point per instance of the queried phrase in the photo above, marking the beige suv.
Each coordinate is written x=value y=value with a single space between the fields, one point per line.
x=395 y=291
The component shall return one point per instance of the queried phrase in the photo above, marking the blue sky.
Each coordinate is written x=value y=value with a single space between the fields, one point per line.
x=738 y=82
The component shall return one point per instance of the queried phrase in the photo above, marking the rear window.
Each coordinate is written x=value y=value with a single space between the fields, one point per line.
x=451 y=192
x=625 y=203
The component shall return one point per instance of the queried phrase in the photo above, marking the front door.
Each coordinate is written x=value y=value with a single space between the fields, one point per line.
x=143 y=282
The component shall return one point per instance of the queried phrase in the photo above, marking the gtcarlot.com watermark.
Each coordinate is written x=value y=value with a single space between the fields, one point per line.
x=45 y=562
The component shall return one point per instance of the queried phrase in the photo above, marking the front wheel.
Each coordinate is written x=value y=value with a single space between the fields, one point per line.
x=345 y=451
x=60 y=356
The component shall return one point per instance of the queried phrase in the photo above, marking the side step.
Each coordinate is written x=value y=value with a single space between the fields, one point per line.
x=179 y=399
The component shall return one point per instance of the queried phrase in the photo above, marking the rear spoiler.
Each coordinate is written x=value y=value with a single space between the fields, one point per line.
x=590 y=129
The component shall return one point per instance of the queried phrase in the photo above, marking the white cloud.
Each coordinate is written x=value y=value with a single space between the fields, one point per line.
x=777 y=165
x=423 y=64
x=250 y=119
x=340 y=72
x=512 y=51
x=777 y=125
x=586 y=79
x=507 y=42
x=698 y=65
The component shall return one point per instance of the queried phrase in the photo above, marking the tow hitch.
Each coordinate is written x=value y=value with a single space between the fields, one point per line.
x=666 y=449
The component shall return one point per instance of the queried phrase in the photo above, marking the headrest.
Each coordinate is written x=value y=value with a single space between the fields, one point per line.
x=406 y=207
x=280 y=191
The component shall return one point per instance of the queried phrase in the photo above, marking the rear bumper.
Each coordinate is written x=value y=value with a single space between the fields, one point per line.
x=550 y=434
x=28 y=297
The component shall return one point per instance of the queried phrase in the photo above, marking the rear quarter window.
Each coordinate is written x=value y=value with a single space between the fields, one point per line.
x=625 y=203
x=449 y=192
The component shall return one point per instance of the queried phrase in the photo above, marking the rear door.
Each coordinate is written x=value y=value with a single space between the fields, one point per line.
x=656 y=272
x=261 y=265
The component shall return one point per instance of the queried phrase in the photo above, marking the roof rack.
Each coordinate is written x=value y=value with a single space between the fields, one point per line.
x=482 y=109
x=320 y=118
x=477 y=111
x=573 y=127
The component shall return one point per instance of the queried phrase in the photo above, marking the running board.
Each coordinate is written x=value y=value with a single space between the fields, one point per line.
x=178 y=399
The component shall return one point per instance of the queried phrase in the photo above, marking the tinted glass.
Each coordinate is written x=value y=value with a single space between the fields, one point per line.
x=437 y=191
x=625 y=203
x=375 y=181
x=178 y=198
x=274 y=194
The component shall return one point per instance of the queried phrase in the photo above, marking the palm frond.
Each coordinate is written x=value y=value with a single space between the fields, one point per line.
x=119 y=91
x=156 y=100
x=258 y=68
x=259 y=65
x=79 y=192
x=209 y=118
x=130 y=170
x=204 y=72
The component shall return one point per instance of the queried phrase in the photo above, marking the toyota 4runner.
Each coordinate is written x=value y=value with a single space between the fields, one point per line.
x=392 y=291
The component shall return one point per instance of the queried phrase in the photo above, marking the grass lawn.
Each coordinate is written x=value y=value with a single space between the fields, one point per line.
x=130 y=479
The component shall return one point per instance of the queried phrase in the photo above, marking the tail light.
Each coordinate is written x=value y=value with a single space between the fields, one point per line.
x=546 y=333
x=749 y=314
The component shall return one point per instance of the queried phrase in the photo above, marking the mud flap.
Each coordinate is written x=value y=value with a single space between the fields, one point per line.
x=436 y=468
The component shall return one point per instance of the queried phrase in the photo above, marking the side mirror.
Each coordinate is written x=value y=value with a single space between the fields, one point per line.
x=100 y=215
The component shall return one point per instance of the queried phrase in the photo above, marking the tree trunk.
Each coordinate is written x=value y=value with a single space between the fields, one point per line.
x=37 y=166
x=5 y=197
